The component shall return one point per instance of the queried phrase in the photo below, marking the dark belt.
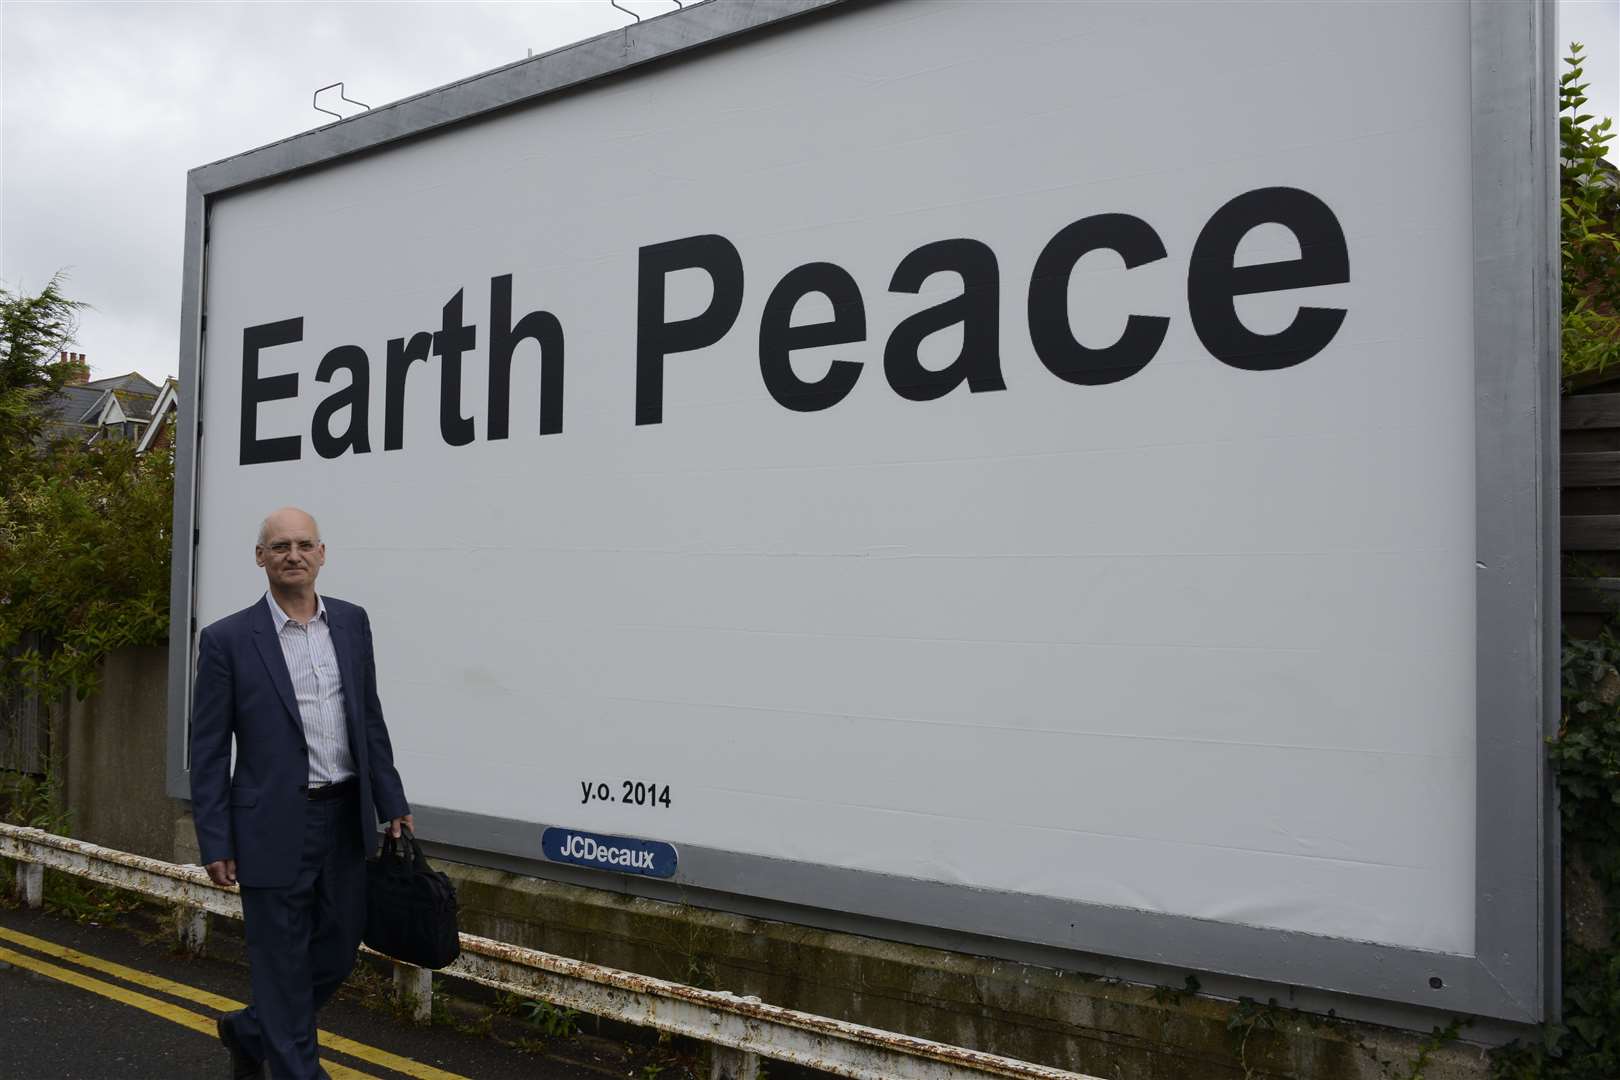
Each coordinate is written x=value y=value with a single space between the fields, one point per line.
x=338 y=790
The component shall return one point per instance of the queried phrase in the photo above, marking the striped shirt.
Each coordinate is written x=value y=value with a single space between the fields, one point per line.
x=318 y=686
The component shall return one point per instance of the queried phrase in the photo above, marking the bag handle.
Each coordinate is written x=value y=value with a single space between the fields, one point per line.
x=418 y=859
x=391 y=848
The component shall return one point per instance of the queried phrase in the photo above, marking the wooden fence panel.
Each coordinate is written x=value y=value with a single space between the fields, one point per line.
x=25 y=730
x=1589 y=476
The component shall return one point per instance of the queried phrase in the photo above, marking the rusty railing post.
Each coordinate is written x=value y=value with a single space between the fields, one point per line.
x=31 y=884
x=413 y=987
x=191 y=926
x=729 y=1064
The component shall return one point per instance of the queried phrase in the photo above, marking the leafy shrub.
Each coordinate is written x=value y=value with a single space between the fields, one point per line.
x=1589 y=218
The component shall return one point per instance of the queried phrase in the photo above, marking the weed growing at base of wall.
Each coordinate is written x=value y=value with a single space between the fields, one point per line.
x=35 y=802
x=554 y=1021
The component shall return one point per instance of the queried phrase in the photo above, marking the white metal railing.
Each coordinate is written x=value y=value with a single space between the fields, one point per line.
x=740 y=1029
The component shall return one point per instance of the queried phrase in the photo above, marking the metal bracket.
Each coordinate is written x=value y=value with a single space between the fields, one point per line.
x=329 y=112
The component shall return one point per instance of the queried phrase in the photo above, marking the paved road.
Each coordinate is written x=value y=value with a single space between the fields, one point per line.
x=101 y=1002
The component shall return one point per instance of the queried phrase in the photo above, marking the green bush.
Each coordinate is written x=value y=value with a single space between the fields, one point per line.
x=84 y=563
x=1589 y=217
x=84 y=532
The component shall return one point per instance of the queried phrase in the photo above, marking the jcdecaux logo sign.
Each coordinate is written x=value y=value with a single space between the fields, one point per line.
x=649 y=858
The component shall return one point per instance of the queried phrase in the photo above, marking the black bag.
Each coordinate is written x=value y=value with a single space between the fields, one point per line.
x=410 y=907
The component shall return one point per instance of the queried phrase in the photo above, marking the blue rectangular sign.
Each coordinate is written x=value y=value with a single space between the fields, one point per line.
x=626 y=855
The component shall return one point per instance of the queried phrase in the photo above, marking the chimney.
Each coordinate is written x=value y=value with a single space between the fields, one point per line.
x=78 y=369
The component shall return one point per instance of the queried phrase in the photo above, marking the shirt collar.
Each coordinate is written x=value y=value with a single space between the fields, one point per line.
x=280 y=618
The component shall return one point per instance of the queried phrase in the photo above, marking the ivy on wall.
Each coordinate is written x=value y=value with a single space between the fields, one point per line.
x=1585 y=754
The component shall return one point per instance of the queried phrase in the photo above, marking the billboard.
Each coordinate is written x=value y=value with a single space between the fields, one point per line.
x=1065 y=473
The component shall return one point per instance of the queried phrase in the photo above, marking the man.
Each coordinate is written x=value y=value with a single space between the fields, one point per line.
x=293 y=680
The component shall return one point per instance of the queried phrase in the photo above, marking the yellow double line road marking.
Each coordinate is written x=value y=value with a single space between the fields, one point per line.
x=185 y=1017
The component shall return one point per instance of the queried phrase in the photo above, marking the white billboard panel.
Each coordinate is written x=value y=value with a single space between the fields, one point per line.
x=1027 y=448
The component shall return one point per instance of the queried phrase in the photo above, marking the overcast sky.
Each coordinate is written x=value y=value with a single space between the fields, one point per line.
x=104 y=106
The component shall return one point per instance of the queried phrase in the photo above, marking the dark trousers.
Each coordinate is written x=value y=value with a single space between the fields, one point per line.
x=301 y=942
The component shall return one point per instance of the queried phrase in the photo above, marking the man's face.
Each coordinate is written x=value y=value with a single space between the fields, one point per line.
x=292 y=555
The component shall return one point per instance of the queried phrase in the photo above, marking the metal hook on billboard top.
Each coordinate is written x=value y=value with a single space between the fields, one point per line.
x=339 y=87
x=626 y=10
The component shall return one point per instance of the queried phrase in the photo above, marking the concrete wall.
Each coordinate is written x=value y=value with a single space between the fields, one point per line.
x=111 y=750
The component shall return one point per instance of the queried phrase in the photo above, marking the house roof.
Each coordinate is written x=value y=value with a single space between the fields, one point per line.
x=121 y=405
x=167 y=402
x=134 y=381
x=83 y=408
x=71 y=406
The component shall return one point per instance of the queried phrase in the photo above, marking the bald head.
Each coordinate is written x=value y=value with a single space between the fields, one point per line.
x=287 y=516
x=290 y=550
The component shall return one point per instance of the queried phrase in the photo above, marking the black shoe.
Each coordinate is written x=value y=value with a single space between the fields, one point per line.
x=243 y=1064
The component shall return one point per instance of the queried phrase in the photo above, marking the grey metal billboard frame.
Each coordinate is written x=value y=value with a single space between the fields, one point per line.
x=1512 y=973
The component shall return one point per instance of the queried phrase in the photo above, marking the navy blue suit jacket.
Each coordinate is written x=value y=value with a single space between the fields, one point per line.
x=243 y=691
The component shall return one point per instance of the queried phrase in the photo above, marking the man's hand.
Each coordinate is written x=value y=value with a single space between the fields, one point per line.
x=222 y=872
x=393 y=826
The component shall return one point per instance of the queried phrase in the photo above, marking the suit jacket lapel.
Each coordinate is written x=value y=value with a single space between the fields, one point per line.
x=264 y=638
x=346 y=650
